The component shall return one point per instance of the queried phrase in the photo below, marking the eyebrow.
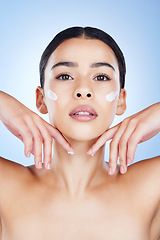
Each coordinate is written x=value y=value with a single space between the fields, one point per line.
x=101 y=64
x=74 y=64
x=67 y=64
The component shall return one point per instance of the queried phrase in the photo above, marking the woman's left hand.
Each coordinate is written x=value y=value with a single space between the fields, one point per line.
x=127 y=135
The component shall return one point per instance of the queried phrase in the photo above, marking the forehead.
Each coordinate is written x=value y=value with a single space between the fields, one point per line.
x=81 y=49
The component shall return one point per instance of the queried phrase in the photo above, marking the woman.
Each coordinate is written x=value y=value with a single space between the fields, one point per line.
x=82 y=74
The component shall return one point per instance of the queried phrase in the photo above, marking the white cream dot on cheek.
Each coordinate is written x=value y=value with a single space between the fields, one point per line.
x=110 y=97
x=52 y=95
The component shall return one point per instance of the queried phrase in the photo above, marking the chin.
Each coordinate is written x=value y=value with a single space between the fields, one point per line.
x=80 y=138
x=82 y=133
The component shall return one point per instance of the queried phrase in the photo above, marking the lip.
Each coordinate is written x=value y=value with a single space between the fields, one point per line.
x=82 y=117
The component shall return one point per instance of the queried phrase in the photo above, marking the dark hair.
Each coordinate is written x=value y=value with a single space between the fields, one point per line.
x=88 y=33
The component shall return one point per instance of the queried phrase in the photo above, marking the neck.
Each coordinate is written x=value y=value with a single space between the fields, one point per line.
x=78 y=172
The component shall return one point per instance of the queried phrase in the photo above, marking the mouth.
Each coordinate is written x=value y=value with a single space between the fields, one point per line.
x=83 y=113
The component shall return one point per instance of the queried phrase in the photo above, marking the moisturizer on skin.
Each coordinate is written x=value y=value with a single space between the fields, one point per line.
x=110 y=97
x=52 y=95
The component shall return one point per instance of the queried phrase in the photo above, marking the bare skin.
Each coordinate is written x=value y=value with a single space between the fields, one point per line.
x=80 y=197
x=34 y=206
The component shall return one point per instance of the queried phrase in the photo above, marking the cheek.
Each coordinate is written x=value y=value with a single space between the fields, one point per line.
x=51 y=95
x=56 y=103
x=108 y=102
x=112 y=100
x=110 y=97
x=51 y=103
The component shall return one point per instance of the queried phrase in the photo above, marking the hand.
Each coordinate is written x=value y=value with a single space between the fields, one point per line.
x=31 y=129
x=127 y=135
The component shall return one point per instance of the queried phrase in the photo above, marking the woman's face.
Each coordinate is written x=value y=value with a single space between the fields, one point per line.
x=80 y=73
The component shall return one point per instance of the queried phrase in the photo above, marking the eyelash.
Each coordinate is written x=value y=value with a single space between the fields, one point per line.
x=63 y=75
x=103 y=75
x=60 y=77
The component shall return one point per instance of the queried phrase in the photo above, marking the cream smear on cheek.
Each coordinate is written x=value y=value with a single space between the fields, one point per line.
x=52 y=95
x=110 y=97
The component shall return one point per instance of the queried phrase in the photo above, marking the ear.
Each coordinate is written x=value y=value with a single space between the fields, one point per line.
x=121 y=107
x=40 y=101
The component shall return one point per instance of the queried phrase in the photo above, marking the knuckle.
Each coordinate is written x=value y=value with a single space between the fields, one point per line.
x=49 y=140
x=122 y=161
x=26 y=133
x=125 y=121
x=48 y=155
x=28 y=140
x=122 y=142
x=112 y=164
x=26 y=117
x=38 y=121
x=36 y=116
x=131 y=141
x=143 y=125
x=29 y=145
x=38 y=156
x=133 y=122
x=38 y=138
x=113 y=143
x=29 y=136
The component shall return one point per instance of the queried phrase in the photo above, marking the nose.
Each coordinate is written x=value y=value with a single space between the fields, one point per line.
x=83 y=93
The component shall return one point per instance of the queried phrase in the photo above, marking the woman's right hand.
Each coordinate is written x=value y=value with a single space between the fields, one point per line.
x=31 y=129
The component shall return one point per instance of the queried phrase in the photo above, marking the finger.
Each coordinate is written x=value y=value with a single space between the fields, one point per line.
x=115 y=148
x=28 y=143
x=37 y=143
x=47 y=150
x=59 y=138
x=38 y=149
x=47 y=144
x=113 y=158
x=23 y=133
x=123 y=142
x=26 y=137
x=133 y=141
x=102 y=140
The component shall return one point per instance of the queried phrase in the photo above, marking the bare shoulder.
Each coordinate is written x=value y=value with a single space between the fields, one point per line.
x=147 y=170
x=146 y=174
x=144 y=177
x=11 y=171
x=143 y=181
x=13 y=178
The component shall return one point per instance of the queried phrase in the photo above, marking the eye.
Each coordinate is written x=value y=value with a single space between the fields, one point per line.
x=102 y=77
x=64 y=77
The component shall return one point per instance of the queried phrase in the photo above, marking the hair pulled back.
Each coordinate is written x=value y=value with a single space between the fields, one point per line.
x=88 y=33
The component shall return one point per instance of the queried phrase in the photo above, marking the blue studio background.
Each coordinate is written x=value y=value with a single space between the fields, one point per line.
x=26 y=28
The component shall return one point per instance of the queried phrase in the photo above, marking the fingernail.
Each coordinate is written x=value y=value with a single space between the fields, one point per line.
x=28 y=154
x=92 y=154
x=48 y=166
x=89 y=152
x=39 y=164
x=129 y=161
x=110 y=171
x=123 y=169
x=71 y=153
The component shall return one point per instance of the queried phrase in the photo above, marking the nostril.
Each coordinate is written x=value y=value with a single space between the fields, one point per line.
x=78 y=95
x=88 y=95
